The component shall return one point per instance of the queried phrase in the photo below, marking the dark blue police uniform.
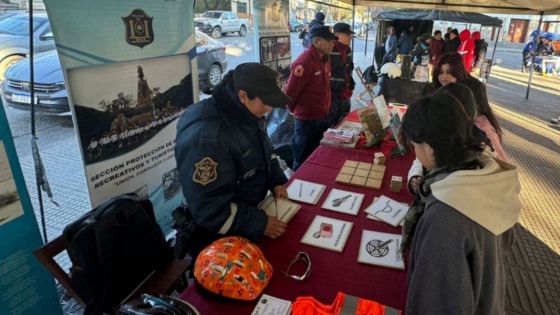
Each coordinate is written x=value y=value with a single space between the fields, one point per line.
x=224 y=160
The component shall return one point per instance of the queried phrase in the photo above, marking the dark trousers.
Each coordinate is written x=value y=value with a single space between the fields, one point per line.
x=339 y=109
x=307 y=135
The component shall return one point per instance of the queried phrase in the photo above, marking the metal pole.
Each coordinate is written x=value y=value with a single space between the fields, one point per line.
x=367 y=32
x=353 y=19
x=493 y=54
x=533 y=56
x=33 y=135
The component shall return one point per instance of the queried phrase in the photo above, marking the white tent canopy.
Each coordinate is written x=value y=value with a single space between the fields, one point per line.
x=479 y=6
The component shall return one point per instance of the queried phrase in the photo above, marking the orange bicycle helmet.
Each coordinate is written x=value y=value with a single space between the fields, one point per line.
x=233 y=267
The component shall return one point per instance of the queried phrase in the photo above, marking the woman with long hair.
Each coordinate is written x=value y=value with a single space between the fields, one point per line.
x=390 y=46
x=460 y=226
x=450 y=69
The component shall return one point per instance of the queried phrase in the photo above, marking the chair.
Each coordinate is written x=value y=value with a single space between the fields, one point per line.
x=168 y=278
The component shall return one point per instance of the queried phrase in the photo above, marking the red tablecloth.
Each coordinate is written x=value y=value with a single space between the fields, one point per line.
x=331 y=271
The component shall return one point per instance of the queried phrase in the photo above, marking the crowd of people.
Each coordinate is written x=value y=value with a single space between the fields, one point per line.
x=429 y=48
x=460 y=226
x=544 y=48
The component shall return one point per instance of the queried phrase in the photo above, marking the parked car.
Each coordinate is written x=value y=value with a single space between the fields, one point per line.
x=50 y=91
x=218 y=23
x=14 y=38
x=212 y=62
x=296 y=25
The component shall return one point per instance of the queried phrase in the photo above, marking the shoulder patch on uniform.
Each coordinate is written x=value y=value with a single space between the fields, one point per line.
x=205 y=171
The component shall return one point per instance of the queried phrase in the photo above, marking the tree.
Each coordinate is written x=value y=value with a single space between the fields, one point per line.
x=209 y=5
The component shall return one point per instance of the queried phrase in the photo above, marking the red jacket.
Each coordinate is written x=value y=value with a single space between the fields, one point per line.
x=436 y=50
x=311 y=92
x=466 y=49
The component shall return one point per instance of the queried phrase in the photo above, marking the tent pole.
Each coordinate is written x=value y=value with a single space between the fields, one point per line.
x=367 y=31
x=493 y=53
x=353 y=20
x=533 y=56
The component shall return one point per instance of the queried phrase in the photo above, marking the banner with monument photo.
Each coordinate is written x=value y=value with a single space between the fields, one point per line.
x=272 y=36
x=129 y=68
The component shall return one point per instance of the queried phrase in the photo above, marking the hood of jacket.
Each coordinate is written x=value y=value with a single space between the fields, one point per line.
x=475 y=36
x=488 y=196
x=465 y=35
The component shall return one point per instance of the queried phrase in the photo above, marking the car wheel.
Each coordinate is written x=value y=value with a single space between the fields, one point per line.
x=242 y=31
x=6 y=63
x=214 y=75
x=217 y=32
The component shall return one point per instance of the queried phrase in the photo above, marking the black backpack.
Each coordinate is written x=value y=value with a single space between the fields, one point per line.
x=112 y=249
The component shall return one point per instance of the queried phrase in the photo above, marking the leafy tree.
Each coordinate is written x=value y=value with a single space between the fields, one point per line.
x=209 y=5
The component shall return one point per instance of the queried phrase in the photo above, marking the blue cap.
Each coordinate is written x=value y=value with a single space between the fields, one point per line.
x=320 y=16
x=321 y=31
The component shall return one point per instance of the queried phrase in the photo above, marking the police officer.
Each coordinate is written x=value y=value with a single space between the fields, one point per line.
x=224 y=157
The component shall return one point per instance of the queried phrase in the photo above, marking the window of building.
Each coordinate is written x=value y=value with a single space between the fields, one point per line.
x=241 y=7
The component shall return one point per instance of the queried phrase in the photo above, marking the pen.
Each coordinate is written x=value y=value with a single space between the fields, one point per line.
x=300 y=188
x=312 y=191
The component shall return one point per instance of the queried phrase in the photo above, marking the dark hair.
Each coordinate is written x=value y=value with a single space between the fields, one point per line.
x=482 y=105
x=441 y=121
x=437 y=32
x=455 y=62
x=464 y=96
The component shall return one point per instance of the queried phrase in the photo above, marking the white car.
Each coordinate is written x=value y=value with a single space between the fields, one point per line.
x=218 y=23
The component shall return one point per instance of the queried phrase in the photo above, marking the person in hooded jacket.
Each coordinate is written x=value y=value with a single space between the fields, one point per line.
x=528 y=50
x=305 y=34
x=466 y=49
x=460 y=227
x=453 y=43
x=480 y=49
x=436 y=47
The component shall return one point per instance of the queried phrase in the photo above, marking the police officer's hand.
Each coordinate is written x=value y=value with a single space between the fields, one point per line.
x=274 y=228
x=280 y=191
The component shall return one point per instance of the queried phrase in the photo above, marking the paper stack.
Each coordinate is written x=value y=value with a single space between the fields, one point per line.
x=387 y=210
x=339 y=135
x=270 y=305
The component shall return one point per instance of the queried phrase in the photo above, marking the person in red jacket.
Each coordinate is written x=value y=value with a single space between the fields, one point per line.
x=466 y=49
x=309 y=88
x=436 y=47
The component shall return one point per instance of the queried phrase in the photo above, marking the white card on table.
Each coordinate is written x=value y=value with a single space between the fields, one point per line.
x=327 y=233
x=304 y=191
x=270 y=305
x=388 y=210
x=343 y=201
x=382 y=249
x=283 y=209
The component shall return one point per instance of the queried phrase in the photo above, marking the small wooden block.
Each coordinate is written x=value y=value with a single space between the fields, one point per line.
x=364 y=166
x=350 y=163
x=361 y=172
x=347 y=170
x=376 y=175
x=343 y=178
x=358 y=180
x=374 y=183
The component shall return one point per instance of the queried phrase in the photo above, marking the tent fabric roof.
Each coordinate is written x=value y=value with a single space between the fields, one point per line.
x=439 y=15
x=479 y=6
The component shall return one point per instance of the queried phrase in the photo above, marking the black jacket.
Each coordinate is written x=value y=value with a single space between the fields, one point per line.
x=235 y=169
x=341 y=71
x=451 y=45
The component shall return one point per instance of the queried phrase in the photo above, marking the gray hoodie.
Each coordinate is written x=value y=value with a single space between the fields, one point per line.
x=456 y=261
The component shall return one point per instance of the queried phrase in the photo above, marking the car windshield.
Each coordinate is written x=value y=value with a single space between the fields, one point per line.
x=19 y=25
x=212 y=15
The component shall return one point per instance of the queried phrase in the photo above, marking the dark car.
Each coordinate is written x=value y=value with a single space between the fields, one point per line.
x=50 y=91
x=212 y=62
x=14 y=38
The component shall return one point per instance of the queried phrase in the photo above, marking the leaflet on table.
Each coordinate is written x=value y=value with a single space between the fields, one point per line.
x=343 y=201
x=304 y=191
x=382 y=249
x=387 y=210
x=382 y=111
x=339 y=135
x=283 y=209
x=327 y=233
x=270 y=305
